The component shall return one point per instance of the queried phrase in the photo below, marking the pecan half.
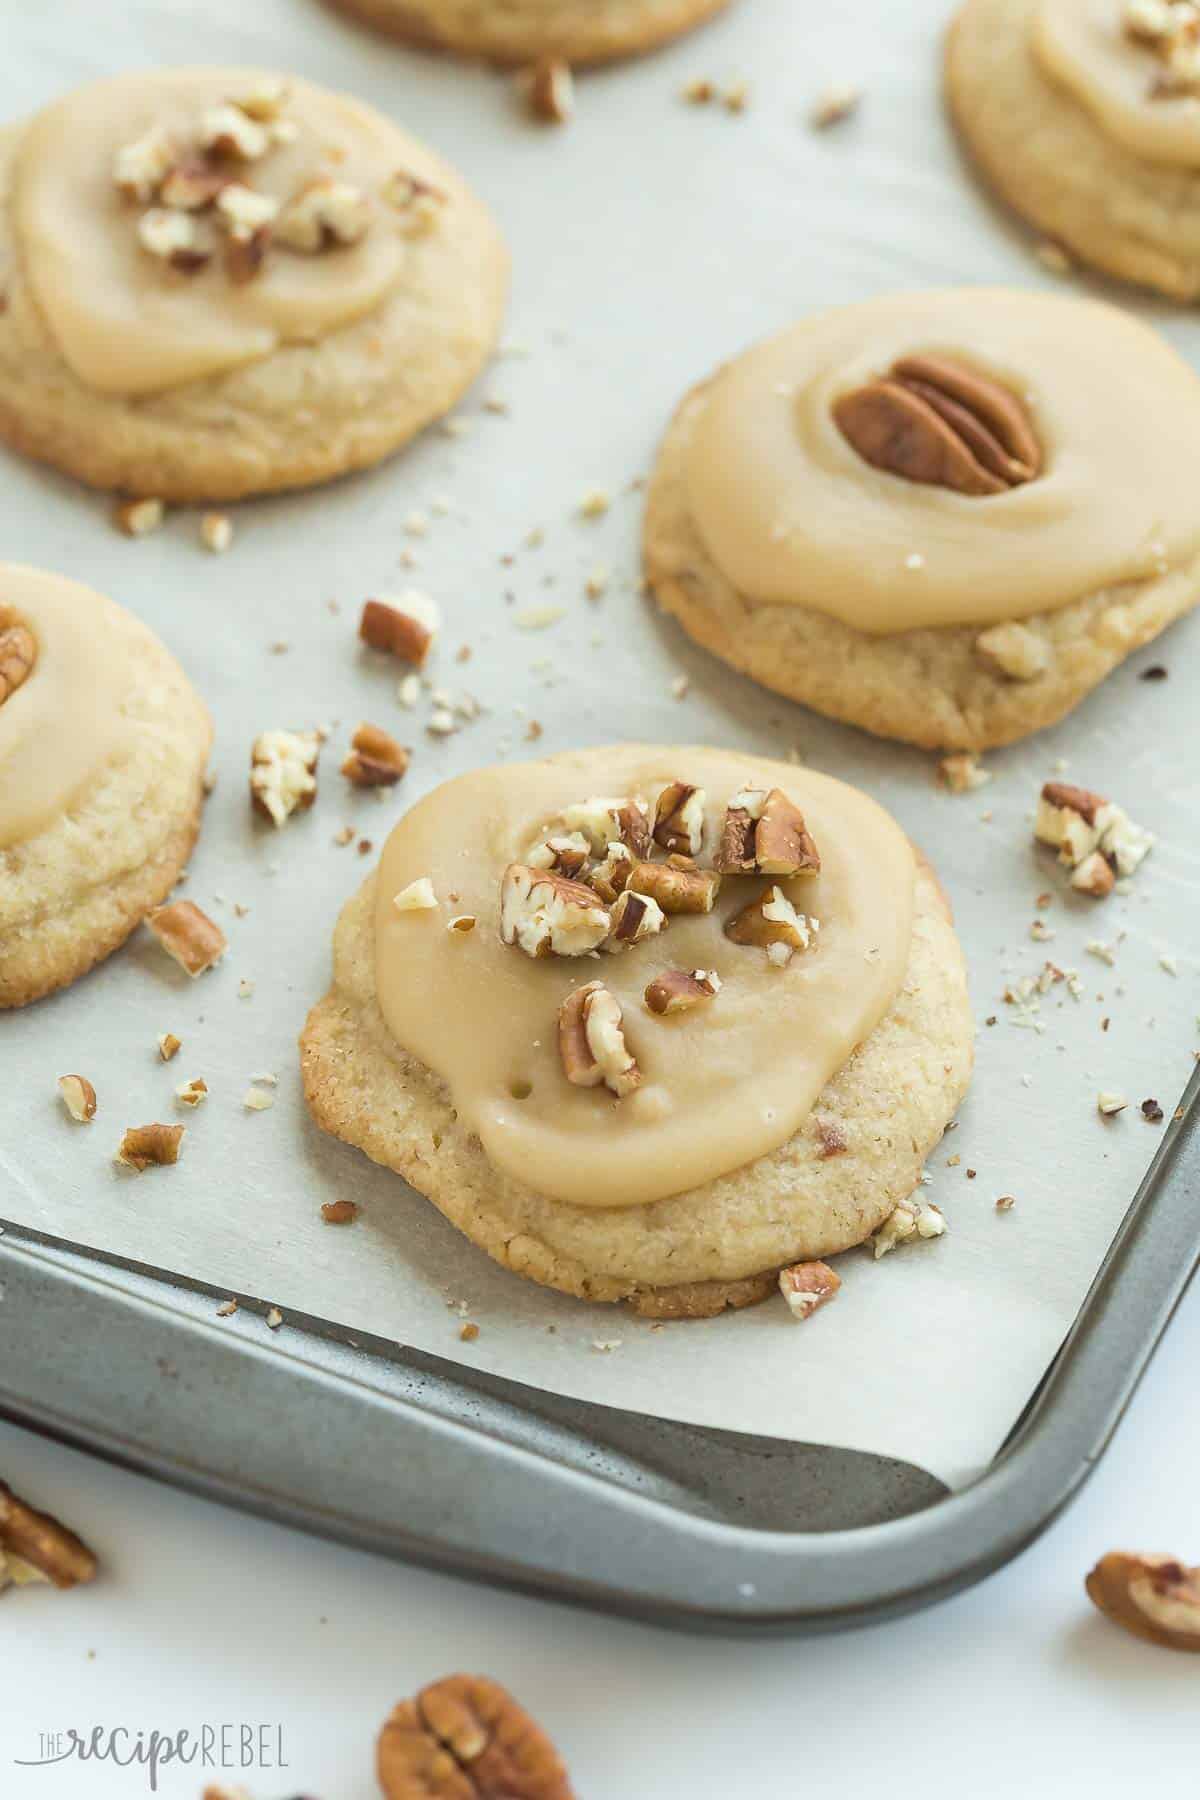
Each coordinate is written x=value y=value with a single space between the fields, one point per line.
x=591 y=1042
x=1155 y=1597
x=934 y=420
x=18 y=653
x=41 y=1542
x=466 y=1738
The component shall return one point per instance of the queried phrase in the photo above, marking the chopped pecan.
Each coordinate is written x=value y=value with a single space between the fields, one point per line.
x=808 y=1285
x=18 y=653
x=192 y=1093
x=611 y=877
x=466 y=1738
x=138 y=518
x=323 y=216
x=175 y=238
x=635 y=917
x=604 y=822
x=283 y=773
x=934 y=420
x=265 y=101
x=246 y=253
x=764 y=834
x=550 y=90
x=339 y=1212
x=40 y=1543
x=189 y=935
x=567 y=854
x=679 y=818
x=1094 y=876
x=912 y=1218
x=677 y=884
x=404 y=627
x=145 y=1145
x=418 y=896
x=1071 y=820
x=1015 y=650
x=678 y=990
x=230 y=131
x=191 y=185
x=1155 y=1597
x=773 y=924
x=545 y=914
x=376 y=759
x=591 y=1042
x=140 y=166
x=79 y=1097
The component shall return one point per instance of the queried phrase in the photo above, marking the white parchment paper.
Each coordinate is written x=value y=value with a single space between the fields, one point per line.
x=651 y=239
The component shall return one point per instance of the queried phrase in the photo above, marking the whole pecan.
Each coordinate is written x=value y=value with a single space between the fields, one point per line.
x=466 y=1738
x=18 y=653
x=933 y=420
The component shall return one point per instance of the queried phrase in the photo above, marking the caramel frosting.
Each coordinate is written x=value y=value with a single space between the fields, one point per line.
x=1085 y=46
x=721 y=1083
x=65 y=722
x=126 y=321
x=792 y=514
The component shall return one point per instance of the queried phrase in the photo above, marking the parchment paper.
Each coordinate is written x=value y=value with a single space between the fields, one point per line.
x=651 y=239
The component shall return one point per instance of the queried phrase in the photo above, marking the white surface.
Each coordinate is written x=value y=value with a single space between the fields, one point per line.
x=650 y=239
x=1015 y=1687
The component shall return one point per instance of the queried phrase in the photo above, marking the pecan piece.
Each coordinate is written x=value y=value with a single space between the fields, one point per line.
x=808 y=1285
x=550 y=90
x=566 y=854
x=40 y=1543
x=144 y=1146
x=323 y=216
x=635 y=917
x=679 y=818
x=545 y=914
x=591 y=1042
x=189 y=935
x=677 y=884
x=18 y=653
x=191 y=185
x=404 y=627
x=283 y=773
x=604 y=822
x=677 y=990
x=376 y=759
x=764 y=834
x=611 y=877
x=466 y=1738
x=79 y=1097
x=1155 y=1597
x=773 y=924
x=934 y=420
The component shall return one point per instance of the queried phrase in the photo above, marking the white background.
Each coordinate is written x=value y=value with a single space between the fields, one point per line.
x=202 y=1617
x=1016 y=1687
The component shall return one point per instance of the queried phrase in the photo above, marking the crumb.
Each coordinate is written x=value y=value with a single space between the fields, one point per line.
x=468 y=1333
x=274 y=1319
x=1006 y=1202
x=339 y=1212
x=227 y=1310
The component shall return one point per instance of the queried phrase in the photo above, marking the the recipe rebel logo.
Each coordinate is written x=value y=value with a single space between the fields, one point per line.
x=146 y=1752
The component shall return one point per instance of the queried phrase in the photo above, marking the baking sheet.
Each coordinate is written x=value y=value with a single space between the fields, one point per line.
x=650 y=240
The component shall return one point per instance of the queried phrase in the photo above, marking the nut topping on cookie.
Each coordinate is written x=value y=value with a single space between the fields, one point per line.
x=675 y=990
x=808 y=1285
x=175 y=238
x=566 y=855
x=1153 y=1596
x=375 y=759
x=635 y=917
x=679 y=818
x=611 y=877
x=404 y=627
x=605 y=822
x=938 y=422
x=325 y=214
x=230 y=131
x=592 y=1044
x=139 y=167
x=772 y=923
x=18 y=653
x=545 y=914
x=283 y=773
x=677 y=884
x=191 y=185
x=189 y=935
x=764 y=834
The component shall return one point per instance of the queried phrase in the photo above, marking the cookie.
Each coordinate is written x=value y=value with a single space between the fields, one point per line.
x=708 y=1096
x=520 y=31
x=1083 y=118
x=103 y=747
x=943 y=517
x=221 y=283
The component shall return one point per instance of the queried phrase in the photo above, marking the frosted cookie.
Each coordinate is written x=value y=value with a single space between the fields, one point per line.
x=934 y=515
x=103 y=745
x=645 y=1024
x=220 y=283
x=1085 y=116
x=519 y=31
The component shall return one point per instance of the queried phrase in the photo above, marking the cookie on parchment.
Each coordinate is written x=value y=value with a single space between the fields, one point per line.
x=220 y=282
x=103 y=747
x=647 y=1025
x=943 y=517
x=1083 y=116
x=520 y=31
